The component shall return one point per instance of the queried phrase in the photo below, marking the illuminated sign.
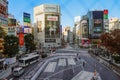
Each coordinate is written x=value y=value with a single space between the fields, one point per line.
x=105 y=11
x=105 y=14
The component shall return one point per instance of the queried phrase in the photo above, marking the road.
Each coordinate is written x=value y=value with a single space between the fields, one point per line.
x=67 y=71
x=67 y=67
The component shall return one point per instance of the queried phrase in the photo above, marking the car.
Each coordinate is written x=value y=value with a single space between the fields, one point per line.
x=18 y=71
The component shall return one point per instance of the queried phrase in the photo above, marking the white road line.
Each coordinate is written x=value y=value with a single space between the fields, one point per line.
x=83 y=75
x=50 y=67
x=71 y=61
x=62 y=62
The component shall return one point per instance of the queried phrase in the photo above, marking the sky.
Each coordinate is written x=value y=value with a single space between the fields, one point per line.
x=69 y=8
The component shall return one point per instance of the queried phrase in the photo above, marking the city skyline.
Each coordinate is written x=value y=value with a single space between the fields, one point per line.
x=69 y=9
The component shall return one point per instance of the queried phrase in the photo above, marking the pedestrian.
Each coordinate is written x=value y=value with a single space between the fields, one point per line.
x=77 y=56
x=12 y=68
x=83 y=64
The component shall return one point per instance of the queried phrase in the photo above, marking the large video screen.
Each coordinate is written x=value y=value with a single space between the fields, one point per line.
x=97 y=14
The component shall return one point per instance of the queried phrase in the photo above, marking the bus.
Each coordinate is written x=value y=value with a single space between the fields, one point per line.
x=27 y=60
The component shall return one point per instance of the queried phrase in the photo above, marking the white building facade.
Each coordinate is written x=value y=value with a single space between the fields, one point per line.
x=114 y=23
x=47 y=20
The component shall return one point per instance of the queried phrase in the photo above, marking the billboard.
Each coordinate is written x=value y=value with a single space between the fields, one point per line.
x=97 y=14
x=21 y=39
x=26 y=17
x=98 y=26
x=11 y=22
x=52 y=18
x=27 y=30
x=52 y=26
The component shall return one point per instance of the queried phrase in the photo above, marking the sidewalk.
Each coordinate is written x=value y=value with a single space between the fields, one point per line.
x=7 y=72
x=106 y=62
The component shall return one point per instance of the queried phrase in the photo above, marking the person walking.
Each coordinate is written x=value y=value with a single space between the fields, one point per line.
x=83 y=63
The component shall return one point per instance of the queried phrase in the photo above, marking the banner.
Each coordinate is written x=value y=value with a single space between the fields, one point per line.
x=21 y=39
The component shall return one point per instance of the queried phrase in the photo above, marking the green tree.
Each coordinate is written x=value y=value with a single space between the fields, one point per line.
x=29 y=42
x=11 y=45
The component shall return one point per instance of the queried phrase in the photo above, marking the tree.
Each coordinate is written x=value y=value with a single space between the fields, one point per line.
x=29 y=42
x=111 y=41
x=11 y=45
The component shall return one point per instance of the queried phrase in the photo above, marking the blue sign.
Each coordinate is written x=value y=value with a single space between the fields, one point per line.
x=26 y=15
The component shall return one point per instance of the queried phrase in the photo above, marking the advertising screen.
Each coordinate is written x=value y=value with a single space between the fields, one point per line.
x=97 y=14
x=52 y=26
x=97 y=26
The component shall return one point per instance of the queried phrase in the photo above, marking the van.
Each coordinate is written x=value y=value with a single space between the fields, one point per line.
x=18 y=71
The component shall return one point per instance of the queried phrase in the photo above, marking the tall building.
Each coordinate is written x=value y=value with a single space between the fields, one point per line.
x=65 y=33
x=84 y=40
x=3 y=20
x=47 y=21
x=12 y=24
x=114 y=23
x=98 y=23
x=76 y=30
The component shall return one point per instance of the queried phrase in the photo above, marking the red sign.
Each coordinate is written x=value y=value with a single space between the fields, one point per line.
x=105 y=11
x=21 y=39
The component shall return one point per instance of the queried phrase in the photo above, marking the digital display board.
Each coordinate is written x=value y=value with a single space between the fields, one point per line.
x=97 y=14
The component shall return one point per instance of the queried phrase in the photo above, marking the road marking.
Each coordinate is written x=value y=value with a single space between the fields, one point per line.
x=71 y=61
x=83 y=75
x=50 y=67
x=67 y=54
x=62 y=62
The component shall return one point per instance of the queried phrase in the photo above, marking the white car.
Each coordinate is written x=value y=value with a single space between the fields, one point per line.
x=17 y=71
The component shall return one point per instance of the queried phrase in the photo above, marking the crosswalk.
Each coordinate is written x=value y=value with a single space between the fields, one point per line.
x=50 y=67
x=71 y=61
x=60 y=63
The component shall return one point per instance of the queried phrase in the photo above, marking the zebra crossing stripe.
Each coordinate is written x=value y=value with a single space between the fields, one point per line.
x=50 y=67
x=62 y=62
x=71 y=61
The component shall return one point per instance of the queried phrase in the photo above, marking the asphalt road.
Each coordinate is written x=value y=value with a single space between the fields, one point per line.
x=67 y=68
x=69 y=71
